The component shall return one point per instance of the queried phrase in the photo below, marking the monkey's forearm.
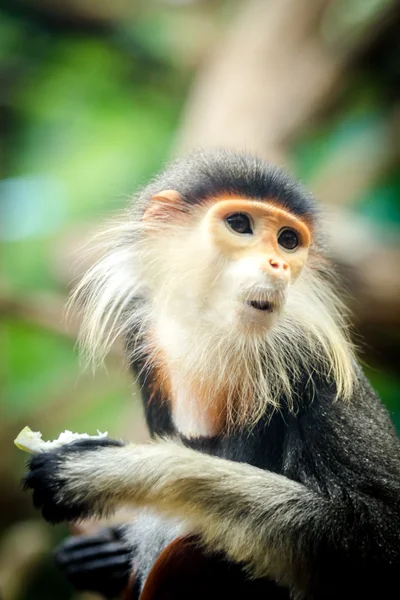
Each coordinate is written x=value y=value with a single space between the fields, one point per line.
x=250 y=514
x=254 y=516
x=277 y=527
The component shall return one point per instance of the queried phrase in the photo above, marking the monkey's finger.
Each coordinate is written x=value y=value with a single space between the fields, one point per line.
x=81 y=553
x=109 y=563
x=84 y=541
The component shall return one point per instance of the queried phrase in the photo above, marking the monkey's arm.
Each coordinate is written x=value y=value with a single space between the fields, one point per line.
x=278 y=527
x=234 y=507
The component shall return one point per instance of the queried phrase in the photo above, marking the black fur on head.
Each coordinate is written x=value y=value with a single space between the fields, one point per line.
x=204 y=174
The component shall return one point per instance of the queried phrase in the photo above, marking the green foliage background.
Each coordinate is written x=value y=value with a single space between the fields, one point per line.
x=90 y=107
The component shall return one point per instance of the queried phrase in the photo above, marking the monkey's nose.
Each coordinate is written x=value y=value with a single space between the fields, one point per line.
x=277 y=266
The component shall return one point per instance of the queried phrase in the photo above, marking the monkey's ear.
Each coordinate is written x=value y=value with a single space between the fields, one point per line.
x=163 y=204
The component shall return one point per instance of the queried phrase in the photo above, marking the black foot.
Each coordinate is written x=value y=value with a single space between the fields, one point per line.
x=99 y=563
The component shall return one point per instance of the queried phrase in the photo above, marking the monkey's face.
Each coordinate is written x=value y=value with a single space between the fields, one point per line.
x=230 y=262
x=262 y=250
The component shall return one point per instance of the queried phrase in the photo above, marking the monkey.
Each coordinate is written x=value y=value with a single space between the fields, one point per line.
x=269 y=443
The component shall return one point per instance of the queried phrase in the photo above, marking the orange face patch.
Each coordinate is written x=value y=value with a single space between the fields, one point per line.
x=268 y=222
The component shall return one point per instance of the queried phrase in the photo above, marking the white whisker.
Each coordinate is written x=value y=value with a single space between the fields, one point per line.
x=154 y=288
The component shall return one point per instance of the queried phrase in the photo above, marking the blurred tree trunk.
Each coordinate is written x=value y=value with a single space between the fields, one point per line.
x=274 y=71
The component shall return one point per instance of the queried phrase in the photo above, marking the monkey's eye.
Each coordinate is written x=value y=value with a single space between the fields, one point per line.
x=288 y=238
x=239 y=222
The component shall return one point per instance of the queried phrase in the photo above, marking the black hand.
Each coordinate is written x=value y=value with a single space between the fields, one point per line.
x=59 y=489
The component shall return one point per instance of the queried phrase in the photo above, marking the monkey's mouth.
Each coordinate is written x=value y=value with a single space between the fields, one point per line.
x=262 y=305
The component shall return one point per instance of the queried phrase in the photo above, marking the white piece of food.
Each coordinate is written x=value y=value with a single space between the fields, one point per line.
x=31 y=441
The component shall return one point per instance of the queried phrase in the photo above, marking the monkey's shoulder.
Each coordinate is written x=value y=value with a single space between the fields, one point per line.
x=328 y=444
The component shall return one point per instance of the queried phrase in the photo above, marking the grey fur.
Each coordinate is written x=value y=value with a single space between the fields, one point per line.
x=149 y=534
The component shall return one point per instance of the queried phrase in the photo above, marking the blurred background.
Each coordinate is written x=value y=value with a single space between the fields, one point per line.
x=94 y=97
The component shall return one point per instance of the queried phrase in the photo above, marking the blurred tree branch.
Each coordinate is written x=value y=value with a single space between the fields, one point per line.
x=47 y=310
